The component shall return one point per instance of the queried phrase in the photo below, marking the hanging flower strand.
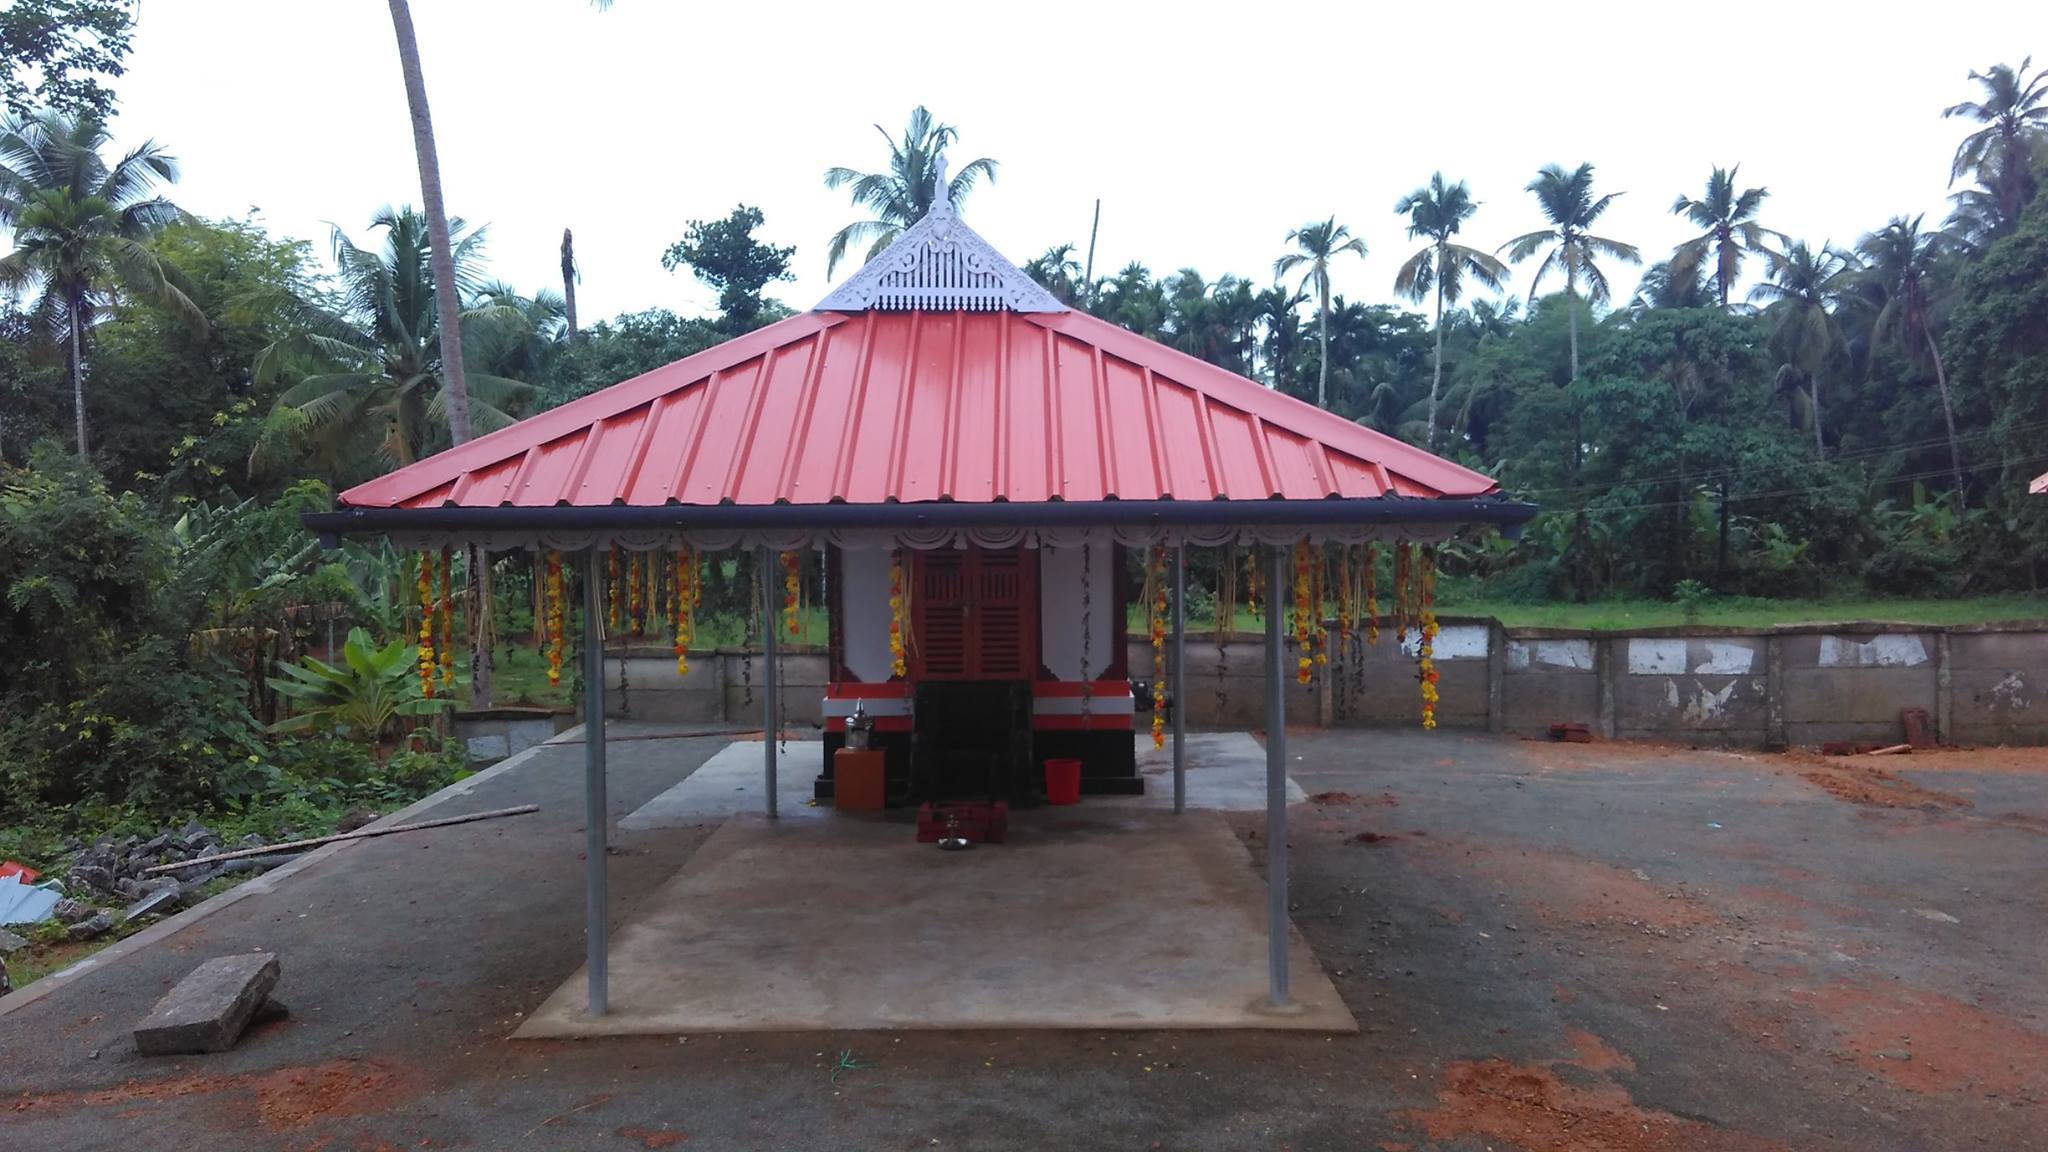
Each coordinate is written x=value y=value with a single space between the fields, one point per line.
x=1155 y=585
x=1318 y=593
x=636 y=589
x=681 y=601
x=1427 y=647
x=1372 y=594
x=792 y=592
x=896 y=606
x=555 y=619
x=1305 y=666
x=425 y=587
x=447 y=606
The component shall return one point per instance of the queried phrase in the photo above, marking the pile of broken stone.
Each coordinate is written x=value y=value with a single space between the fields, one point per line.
x=114 y=872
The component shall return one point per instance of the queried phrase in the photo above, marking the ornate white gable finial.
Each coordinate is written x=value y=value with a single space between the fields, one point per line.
x=940 y=264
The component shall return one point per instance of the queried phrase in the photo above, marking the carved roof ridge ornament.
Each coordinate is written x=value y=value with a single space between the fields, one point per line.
x=939 y=264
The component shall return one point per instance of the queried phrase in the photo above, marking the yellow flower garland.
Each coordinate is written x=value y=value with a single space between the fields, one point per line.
x=792 y=592
x=555 y=619
x=425 y=587
x=636 y=582
x=1372 y=594
x=682 y=601
x=1305 y=667
x=1155 y=585
x=1427 y=649
x=897 y=608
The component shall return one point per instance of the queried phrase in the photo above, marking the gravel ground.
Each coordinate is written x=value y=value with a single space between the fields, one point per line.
x=1549 y=947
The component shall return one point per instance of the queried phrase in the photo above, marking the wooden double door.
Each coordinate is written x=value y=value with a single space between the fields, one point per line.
x=974 y=614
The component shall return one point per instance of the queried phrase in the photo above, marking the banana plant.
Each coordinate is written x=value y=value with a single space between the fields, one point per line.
x=363 y=699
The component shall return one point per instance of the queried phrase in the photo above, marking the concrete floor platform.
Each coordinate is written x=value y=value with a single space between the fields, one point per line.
x=1226 y=772
x=1088 y=918
x=733 y=782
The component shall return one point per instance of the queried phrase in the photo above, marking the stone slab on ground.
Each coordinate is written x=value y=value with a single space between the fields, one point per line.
x=207 y=1010
x=1088 y=918
x=1226 y=772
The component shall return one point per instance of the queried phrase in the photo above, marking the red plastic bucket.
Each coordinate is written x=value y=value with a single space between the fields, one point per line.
x=1062 y=781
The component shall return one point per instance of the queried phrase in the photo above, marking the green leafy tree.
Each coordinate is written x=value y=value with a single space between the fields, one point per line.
x=1804 y=291
x=1059 y=273
x=2004 y=154
x=81 y=231
x=1567 y=201
x=724 y=255
x=1673 y=284
x=1903 y=278
x=1730 y=229
x=618 y=349
x=1435 y=212
x=1318 y=243
x=56 y=54
x=900 y=195
x=376 y=377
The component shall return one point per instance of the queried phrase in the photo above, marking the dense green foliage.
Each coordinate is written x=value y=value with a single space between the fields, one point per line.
x=57 y=54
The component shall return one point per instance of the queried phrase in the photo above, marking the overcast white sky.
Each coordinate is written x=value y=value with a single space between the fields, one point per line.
x=1208 y=132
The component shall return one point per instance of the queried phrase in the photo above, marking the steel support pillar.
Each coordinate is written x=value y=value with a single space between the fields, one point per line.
x=1277 y=583
x=596 y=929
x=771 y=711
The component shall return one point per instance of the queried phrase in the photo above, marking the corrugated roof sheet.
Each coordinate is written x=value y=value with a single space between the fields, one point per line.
x=2040 y=485
x=880 y=407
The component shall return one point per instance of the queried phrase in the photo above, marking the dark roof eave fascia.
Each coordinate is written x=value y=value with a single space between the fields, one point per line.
x=1306 y=514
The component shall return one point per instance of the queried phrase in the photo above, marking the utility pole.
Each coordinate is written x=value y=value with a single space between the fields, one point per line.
x=1088 y=271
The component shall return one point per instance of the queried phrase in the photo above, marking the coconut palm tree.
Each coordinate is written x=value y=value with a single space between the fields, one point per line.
x=1801 y=296
x=2003 y=154
x=900 y=196
x=1900 y=272
x=1567 y=200
x=81 y=231
x=1436 y=211
x=1319 y=243
x=1059 y=273
x=1672 y=284
x=376 y=371
x=1731 y=229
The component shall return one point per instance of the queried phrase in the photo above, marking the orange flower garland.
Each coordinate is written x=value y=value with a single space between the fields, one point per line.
x=447 y=620
x=683 y=602
x=426 y=593
x=1346 y=575
x=1305 y=667
x=792 y=591
x=1318 y=596
x=636 y=582
x=1372 y=594
x=1401 y=593
x=611 y=587
x=896 y=612
x=1427 y=649
x=1155 y=583
x=555 y=619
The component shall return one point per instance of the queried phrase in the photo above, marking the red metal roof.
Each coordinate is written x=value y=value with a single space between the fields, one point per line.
x=878 y=407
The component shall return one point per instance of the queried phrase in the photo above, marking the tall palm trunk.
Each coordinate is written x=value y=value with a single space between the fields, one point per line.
x=1436 y=380
x=1948 y=414
x=1571 y=304
x=447 y=309
x=569 y=281
x=448 y=318
x=77 y=373
x=1323 y=340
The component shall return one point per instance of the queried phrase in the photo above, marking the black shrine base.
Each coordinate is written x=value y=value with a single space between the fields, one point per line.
x=1108 y=765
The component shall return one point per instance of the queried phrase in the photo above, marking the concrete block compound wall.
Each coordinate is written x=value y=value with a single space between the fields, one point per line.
x=1801 y=685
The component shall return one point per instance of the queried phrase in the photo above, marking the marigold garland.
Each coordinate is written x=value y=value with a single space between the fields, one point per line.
x=555 y=619
x=1346 y=574
x=1426 y=650
x=1305 y=666
x=1155 y=603
x=425 y=587
x=611 y=587
x=1401 y=593
x=792 y=592
x=897 y=666
x=682 y=602
x=1372 y=594
x=636 y=588
x=447 y=605
x=1318 y=597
